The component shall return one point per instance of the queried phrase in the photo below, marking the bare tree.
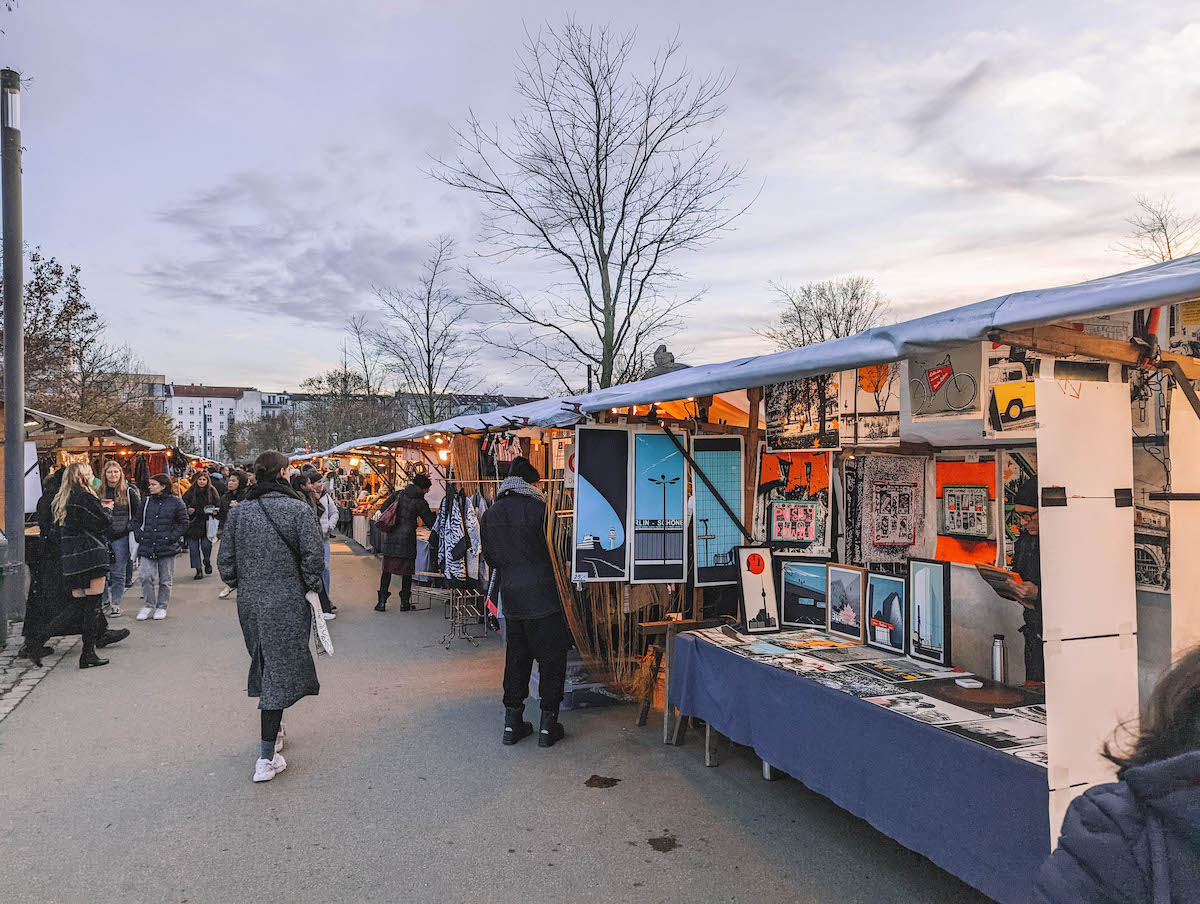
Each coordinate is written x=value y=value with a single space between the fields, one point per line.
x=1158 y=232
x=820 y=311
x=606 y=175
x=423 y=338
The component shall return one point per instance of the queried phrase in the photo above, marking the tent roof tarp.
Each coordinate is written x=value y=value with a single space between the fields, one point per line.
x=1159 y=284
x=95 y=430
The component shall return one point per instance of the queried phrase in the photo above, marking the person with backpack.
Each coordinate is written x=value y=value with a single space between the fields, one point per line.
x=398 y=523
x=203 y=502
x=164 y=521
x=271 y=553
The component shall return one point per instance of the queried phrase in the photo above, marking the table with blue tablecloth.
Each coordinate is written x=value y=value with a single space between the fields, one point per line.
x=980 y=814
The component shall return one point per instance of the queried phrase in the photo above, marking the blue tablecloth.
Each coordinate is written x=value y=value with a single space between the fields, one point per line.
x=978 y=813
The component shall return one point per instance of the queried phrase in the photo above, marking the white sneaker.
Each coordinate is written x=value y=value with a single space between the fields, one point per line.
x=225 y=591
x=265 y=770
x=279 y=739
x=145 y=613
x=329 y=616
x=160 y=614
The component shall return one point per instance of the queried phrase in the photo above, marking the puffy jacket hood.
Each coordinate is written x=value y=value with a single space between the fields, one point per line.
x=1171 y=790
x=412 y=491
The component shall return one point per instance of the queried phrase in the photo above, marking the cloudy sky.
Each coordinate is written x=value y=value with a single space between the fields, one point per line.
x=233 y=178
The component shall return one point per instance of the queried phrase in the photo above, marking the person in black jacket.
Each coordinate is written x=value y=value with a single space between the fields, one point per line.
x=123 y=502
x=400 y=543
x=84 y=526
x=200 y=497
x=513 y=532
x=164 y=520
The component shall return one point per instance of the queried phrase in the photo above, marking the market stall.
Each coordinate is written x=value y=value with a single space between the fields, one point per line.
x=880 y=498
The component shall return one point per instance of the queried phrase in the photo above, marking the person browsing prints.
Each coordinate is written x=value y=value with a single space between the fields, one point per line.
x=1027 y=562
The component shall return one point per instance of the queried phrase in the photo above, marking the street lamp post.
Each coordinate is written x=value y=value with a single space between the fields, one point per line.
x=12 y=595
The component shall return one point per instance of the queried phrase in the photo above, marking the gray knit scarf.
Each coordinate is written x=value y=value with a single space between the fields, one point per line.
x=520 y=487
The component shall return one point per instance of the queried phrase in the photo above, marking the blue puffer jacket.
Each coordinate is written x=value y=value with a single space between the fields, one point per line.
x=1136 y=840
x=163 y=521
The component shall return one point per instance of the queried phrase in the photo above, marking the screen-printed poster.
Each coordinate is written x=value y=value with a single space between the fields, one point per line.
x=601 y=504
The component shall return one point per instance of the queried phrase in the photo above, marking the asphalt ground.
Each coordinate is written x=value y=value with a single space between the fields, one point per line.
x=131 y=783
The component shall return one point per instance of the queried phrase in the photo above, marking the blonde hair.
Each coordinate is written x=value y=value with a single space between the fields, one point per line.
x=122 y=488
x=77 y=474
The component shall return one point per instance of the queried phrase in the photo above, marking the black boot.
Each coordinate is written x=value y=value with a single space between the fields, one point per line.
x=208 y=567
x=112 y=635
x=381 y=606
x=551 y=732
x=91 y=633
x=34 y=651
x=199 y=575
x=405 y=602
x=515 y=726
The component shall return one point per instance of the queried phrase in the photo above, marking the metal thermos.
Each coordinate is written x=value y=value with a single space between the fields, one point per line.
x=999 y=659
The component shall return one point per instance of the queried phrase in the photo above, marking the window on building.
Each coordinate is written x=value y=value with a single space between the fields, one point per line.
x=222 y=412
x=192 y=426
x=192 y=411
x=181 y=409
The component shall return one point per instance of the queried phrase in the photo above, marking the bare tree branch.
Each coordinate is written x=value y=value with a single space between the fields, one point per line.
x=820 y=311
x=1158 y=232
x=605 y=175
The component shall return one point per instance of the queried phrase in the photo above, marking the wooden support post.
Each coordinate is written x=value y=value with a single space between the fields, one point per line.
x=710 y=746
x=669 y=642
x=648 y=700
x=697 y=603
x=754 y=396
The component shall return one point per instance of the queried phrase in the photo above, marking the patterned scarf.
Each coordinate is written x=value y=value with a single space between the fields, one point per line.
x=521 y=488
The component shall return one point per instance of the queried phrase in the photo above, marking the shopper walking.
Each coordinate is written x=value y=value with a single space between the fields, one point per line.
x=514 y=544
x=1138 y=838
x=84 y=526
x=399 y=545
x=236 y=489
x=164 y=521
x=124 y=503
x=271 y=553
x=327 y=516
x=203 y=502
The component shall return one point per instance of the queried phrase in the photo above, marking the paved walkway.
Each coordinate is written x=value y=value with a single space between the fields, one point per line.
x=132 y=783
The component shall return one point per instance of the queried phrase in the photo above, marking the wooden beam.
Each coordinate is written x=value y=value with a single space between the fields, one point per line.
x=754 y=396
x=1061 y=340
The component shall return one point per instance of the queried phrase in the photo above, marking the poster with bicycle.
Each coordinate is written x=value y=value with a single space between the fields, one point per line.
x=947 y=384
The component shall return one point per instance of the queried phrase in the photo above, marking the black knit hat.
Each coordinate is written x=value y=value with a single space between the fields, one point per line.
x=521 y=467
x=1027 y=493
x=421 y=482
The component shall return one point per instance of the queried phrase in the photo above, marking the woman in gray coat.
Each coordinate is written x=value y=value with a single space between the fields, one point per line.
x=272 y=553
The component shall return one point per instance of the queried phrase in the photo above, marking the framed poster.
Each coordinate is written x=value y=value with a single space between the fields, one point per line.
x=887 y=611
x=965 y=493
x=802 y=589
x=870 y=405
x=947 y=384
x=965 y=510
x=844 y=594
x=658 y=476
x=803 y=414
x=893 y=506
x=601 y=504
x=756 y=582
x=793 y=500
x=929 y=610
x=715 y=536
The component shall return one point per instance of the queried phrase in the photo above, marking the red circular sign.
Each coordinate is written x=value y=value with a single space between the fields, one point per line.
x=755 y=563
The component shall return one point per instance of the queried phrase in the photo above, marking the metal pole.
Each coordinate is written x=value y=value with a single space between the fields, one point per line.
x=12 y=594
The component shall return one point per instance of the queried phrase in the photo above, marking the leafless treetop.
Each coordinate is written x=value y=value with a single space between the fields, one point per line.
x=1158 y=232
x=820 y=311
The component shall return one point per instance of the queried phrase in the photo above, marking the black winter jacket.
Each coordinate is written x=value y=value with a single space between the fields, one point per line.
x=197 y=498
x=401 y=541
x=227 y=500
x=164 y=521
x=84 y=542
x=513 y=532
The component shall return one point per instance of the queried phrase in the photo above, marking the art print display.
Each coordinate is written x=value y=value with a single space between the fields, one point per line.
x=870 y=406
x=803 y=414
x=1038 y=753
x=793 y=504
x=659 y=481
x=808 y=641
x=929 y=610
x=1011 y=372
x=925 y=709
x=852 y=654
x=756 y=581
x=1036 y=712
x=965 y=489
x=946 y=384
x=802 y=591
x=601 y=504
x=715 y=535
x=1018 y=471
x=885 y=509
x=854 y=682
x=846 y=590
x=1004 y=733
x=887 y=613
x=901 y=670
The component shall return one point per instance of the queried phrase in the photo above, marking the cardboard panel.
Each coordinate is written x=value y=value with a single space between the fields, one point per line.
x=1091 y=690
x=1185 y=526
x=1087 y=570
x=1083 y=437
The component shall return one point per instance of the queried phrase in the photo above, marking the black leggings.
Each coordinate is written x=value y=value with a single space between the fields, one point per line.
x=385 y=582
x=271 y=719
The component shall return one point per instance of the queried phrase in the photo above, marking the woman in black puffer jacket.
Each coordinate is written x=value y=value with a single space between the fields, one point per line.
x=85 y=551
x=400 y=543
x=199 y=499
x=164 y=520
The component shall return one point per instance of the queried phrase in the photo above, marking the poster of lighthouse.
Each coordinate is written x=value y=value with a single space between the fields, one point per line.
x=601 y=504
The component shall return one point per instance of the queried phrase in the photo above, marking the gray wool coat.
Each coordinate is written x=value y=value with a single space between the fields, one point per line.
x=275 y=617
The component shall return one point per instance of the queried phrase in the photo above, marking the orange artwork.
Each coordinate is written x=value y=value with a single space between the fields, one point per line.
x=966 y=550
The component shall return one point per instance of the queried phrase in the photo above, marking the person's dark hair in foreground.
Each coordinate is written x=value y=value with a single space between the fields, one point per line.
x=514 y=544
x=1138 y=839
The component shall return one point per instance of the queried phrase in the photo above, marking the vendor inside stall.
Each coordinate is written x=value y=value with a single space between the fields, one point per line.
x=1027 y=562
